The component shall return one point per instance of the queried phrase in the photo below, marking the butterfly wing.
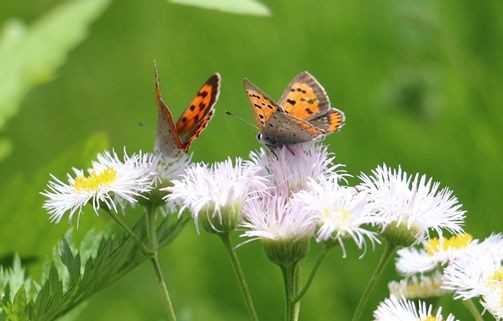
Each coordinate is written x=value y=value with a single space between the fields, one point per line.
x=197 y=115
x=284 y=129
x=331 y=121
x=262 y=105
x=167 y=142
x=196 y=131
x=304 y=97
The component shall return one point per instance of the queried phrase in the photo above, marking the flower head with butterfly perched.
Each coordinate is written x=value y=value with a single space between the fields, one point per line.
x=173 y=139
x=302 y=114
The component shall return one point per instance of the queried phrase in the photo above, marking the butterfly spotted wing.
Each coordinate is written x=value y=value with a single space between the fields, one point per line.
x=277 y=127
x=171 y=138
x=262 y=105
x=330 y=122
x=199 y=112
x=284 y=129
x=168 y=142
x=305 y=98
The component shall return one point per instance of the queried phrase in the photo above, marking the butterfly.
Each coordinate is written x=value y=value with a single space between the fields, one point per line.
x=175 y=138
x=302 y=114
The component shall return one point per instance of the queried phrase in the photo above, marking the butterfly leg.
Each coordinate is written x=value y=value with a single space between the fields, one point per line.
x=271 y=150
x=290 y=150
x=274 y=153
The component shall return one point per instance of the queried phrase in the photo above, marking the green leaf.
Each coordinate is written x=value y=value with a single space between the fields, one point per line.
x=30 y=56
x=71 y=262
x=245 y=7
x=13 y=279
x=76 y=273
x=18 y=308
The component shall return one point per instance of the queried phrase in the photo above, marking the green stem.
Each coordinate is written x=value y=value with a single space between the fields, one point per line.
x=238 y=270
x=472 y=308
x=151 y=228
x=290 y=278
x=146 y=251
x=385 y=258
x=164 y=289
x=296 y=307
x=151 y=253
x=152 y=236
x=316 y=265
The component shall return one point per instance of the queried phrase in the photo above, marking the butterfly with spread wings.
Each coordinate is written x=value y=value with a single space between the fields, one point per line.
x=302 y=114
x=175 y=138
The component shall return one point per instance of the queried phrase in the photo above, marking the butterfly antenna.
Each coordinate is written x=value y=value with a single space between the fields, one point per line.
x=143 y=125
x=242 y=119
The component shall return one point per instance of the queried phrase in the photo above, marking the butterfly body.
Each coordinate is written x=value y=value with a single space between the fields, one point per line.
x=174 y=138
x=302 y=114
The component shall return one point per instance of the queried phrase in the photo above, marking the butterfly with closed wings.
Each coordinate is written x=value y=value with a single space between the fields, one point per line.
x=302 y=114
x=175 y=138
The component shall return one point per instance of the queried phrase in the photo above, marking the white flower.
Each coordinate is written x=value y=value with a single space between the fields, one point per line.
x=393 y=309
x=418 y=287
x=472 y=274
x=272 y=216
x=215 y=190
x=341 y=212
x=167 y=168
x=435 y=252
x=493 y=302
x=108 y=182
x=479 y=273
x=415 y=202
x=291 y=167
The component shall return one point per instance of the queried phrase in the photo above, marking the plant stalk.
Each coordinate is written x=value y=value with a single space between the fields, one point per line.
x=316 y=265
x=472 y=308
x=164 y=289
x=385 y=258
x=154 y=259
x=238 y=270
x=290 y=278
x=146 y=251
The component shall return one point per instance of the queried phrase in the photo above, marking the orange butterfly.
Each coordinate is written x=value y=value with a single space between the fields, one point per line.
x=173 y=139
x=303 y=113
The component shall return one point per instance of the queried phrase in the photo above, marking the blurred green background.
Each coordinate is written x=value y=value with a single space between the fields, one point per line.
x=421 y=83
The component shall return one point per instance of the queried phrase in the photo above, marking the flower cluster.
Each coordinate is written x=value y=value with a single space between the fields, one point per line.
x=291 y=195
x=467 y=267
x=478 y=273
x=299 y=192
x=307 y=197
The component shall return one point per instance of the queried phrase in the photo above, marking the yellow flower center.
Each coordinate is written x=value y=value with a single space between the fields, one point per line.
x=335 y=214
x=436 y=245
x=95 y=181
x=422 y=288
x=495 y=281
x=429 y=318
